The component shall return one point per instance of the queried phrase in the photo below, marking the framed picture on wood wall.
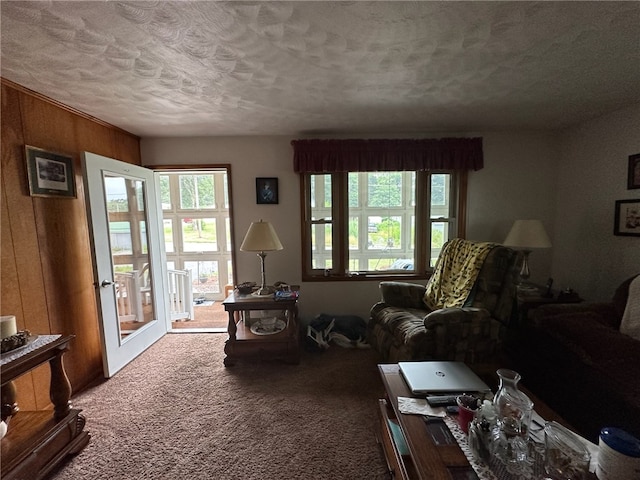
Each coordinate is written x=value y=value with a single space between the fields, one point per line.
x=627 y=218
x=50 y=174
x=634 y=172
x=267 y=190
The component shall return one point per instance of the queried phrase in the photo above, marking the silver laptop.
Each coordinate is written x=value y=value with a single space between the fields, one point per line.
x=424 y=378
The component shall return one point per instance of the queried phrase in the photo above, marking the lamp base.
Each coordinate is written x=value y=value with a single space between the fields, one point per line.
x=262 y=291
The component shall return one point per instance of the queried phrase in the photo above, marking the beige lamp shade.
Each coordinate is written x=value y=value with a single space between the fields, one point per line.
x=261 y=237
x=527 y=234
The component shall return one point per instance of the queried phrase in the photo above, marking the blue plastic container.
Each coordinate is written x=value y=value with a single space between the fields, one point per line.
x=618 y=456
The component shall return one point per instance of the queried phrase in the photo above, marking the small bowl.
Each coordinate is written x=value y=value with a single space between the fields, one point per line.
x=268 y=324
x=245 y=288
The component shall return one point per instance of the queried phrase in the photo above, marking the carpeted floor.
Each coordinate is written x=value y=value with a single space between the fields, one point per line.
x=177 y=413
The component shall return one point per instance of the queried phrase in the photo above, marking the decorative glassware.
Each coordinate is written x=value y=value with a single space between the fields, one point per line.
x=566 y=457
x=511 y=433
x=480 y=431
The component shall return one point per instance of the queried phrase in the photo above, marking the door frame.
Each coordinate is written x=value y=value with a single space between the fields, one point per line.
x=176 y=169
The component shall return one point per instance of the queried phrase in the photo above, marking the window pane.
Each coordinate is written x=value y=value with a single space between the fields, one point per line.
x=116 y=193
x=354 y=233
x=439 y=236
x=354 y=265
x=122 y=268
x=168 y=235
x=230 y=273
x=205 y=276
x=143 y=236
x=165 y=192
x=225 y=188
x=384 y=189
x=440 y=187
x=354 y=195
x=321 y=246
x=199 y=235
x=120 y=236
x=387 y=233
x=197 y=191
x=384 y=232
x=321 y=197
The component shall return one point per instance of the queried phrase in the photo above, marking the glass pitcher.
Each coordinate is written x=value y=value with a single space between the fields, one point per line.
x=511 y=433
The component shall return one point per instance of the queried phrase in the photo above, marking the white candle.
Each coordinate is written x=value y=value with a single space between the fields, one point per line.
x=8 y=326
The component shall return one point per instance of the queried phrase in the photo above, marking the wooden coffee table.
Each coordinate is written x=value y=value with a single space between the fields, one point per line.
x=433 y=453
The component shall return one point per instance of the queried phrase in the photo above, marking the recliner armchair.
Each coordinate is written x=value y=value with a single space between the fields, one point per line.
x=468 y=325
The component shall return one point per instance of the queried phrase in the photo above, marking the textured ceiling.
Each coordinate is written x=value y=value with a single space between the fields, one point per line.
x=296 y=68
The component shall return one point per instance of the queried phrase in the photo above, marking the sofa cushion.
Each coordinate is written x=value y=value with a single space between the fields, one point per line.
x=392 y=318
x=403 y=294
x=446 y=316
x=585 y=336
x=399 y=333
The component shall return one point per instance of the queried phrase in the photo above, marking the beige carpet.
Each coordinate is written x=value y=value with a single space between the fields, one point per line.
x=177 y=413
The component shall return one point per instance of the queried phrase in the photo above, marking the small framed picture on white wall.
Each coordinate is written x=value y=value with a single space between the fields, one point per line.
x=267 y=190
x=627 y=218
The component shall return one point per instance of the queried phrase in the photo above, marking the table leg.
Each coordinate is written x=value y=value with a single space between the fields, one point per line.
x=60 y=389
x=231 y=327
x=8 y=401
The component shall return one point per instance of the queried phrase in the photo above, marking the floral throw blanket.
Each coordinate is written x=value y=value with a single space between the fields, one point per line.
x=630 y=324
x=456 y=272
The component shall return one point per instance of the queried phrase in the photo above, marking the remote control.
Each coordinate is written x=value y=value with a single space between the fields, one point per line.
x=442 y=400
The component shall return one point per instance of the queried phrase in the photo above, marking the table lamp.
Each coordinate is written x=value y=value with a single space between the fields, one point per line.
x=261 y=237
x=527 y=235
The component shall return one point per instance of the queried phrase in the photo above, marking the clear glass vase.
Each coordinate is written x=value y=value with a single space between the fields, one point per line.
x=511 y=433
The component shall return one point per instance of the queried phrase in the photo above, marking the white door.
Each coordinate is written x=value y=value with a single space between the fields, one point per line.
x=128 y=258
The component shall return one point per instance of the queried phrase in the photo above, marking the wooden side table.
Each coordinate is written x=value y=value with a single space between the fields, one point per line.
x=37 y=441
x=527 y=300
x=244 y=343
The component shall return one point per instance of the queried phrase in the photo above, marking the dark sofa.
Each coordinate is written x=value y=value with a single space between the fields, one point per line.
x=575 y=359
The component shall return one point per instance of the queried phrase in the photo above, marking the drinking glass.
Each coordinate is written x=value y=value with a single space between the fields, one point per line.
x=566 y=457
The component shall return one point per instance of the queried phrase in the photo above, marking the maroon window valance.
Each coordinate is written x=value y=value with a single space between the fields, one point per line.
x=370 y=155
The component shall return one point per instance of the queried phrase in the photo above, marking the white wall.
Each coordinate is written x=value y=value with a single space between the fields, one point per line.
x=592 y=176
x=518 y=181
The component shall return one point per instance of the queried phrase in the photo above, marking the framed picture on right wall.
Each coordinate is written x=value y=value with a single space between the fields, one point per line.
x=627 y=218
x=633 y=178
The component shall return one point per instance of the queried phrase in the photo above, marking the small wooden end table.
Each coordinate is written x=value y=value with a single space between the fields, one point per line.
x=529 y=299
x=37 y=441
x=244 y=343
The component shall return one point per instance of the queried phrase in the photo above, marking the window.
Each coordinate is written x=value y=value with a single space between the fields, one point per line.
x=381 y=223
x=381 y=207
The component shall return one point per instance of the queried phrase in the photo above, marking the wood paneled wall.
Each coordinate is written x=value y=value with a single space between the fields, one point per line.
x=46 y=265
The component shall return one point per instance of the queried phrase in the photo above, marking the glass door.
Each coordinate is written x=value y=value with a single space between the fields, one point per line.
x=129 y=265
